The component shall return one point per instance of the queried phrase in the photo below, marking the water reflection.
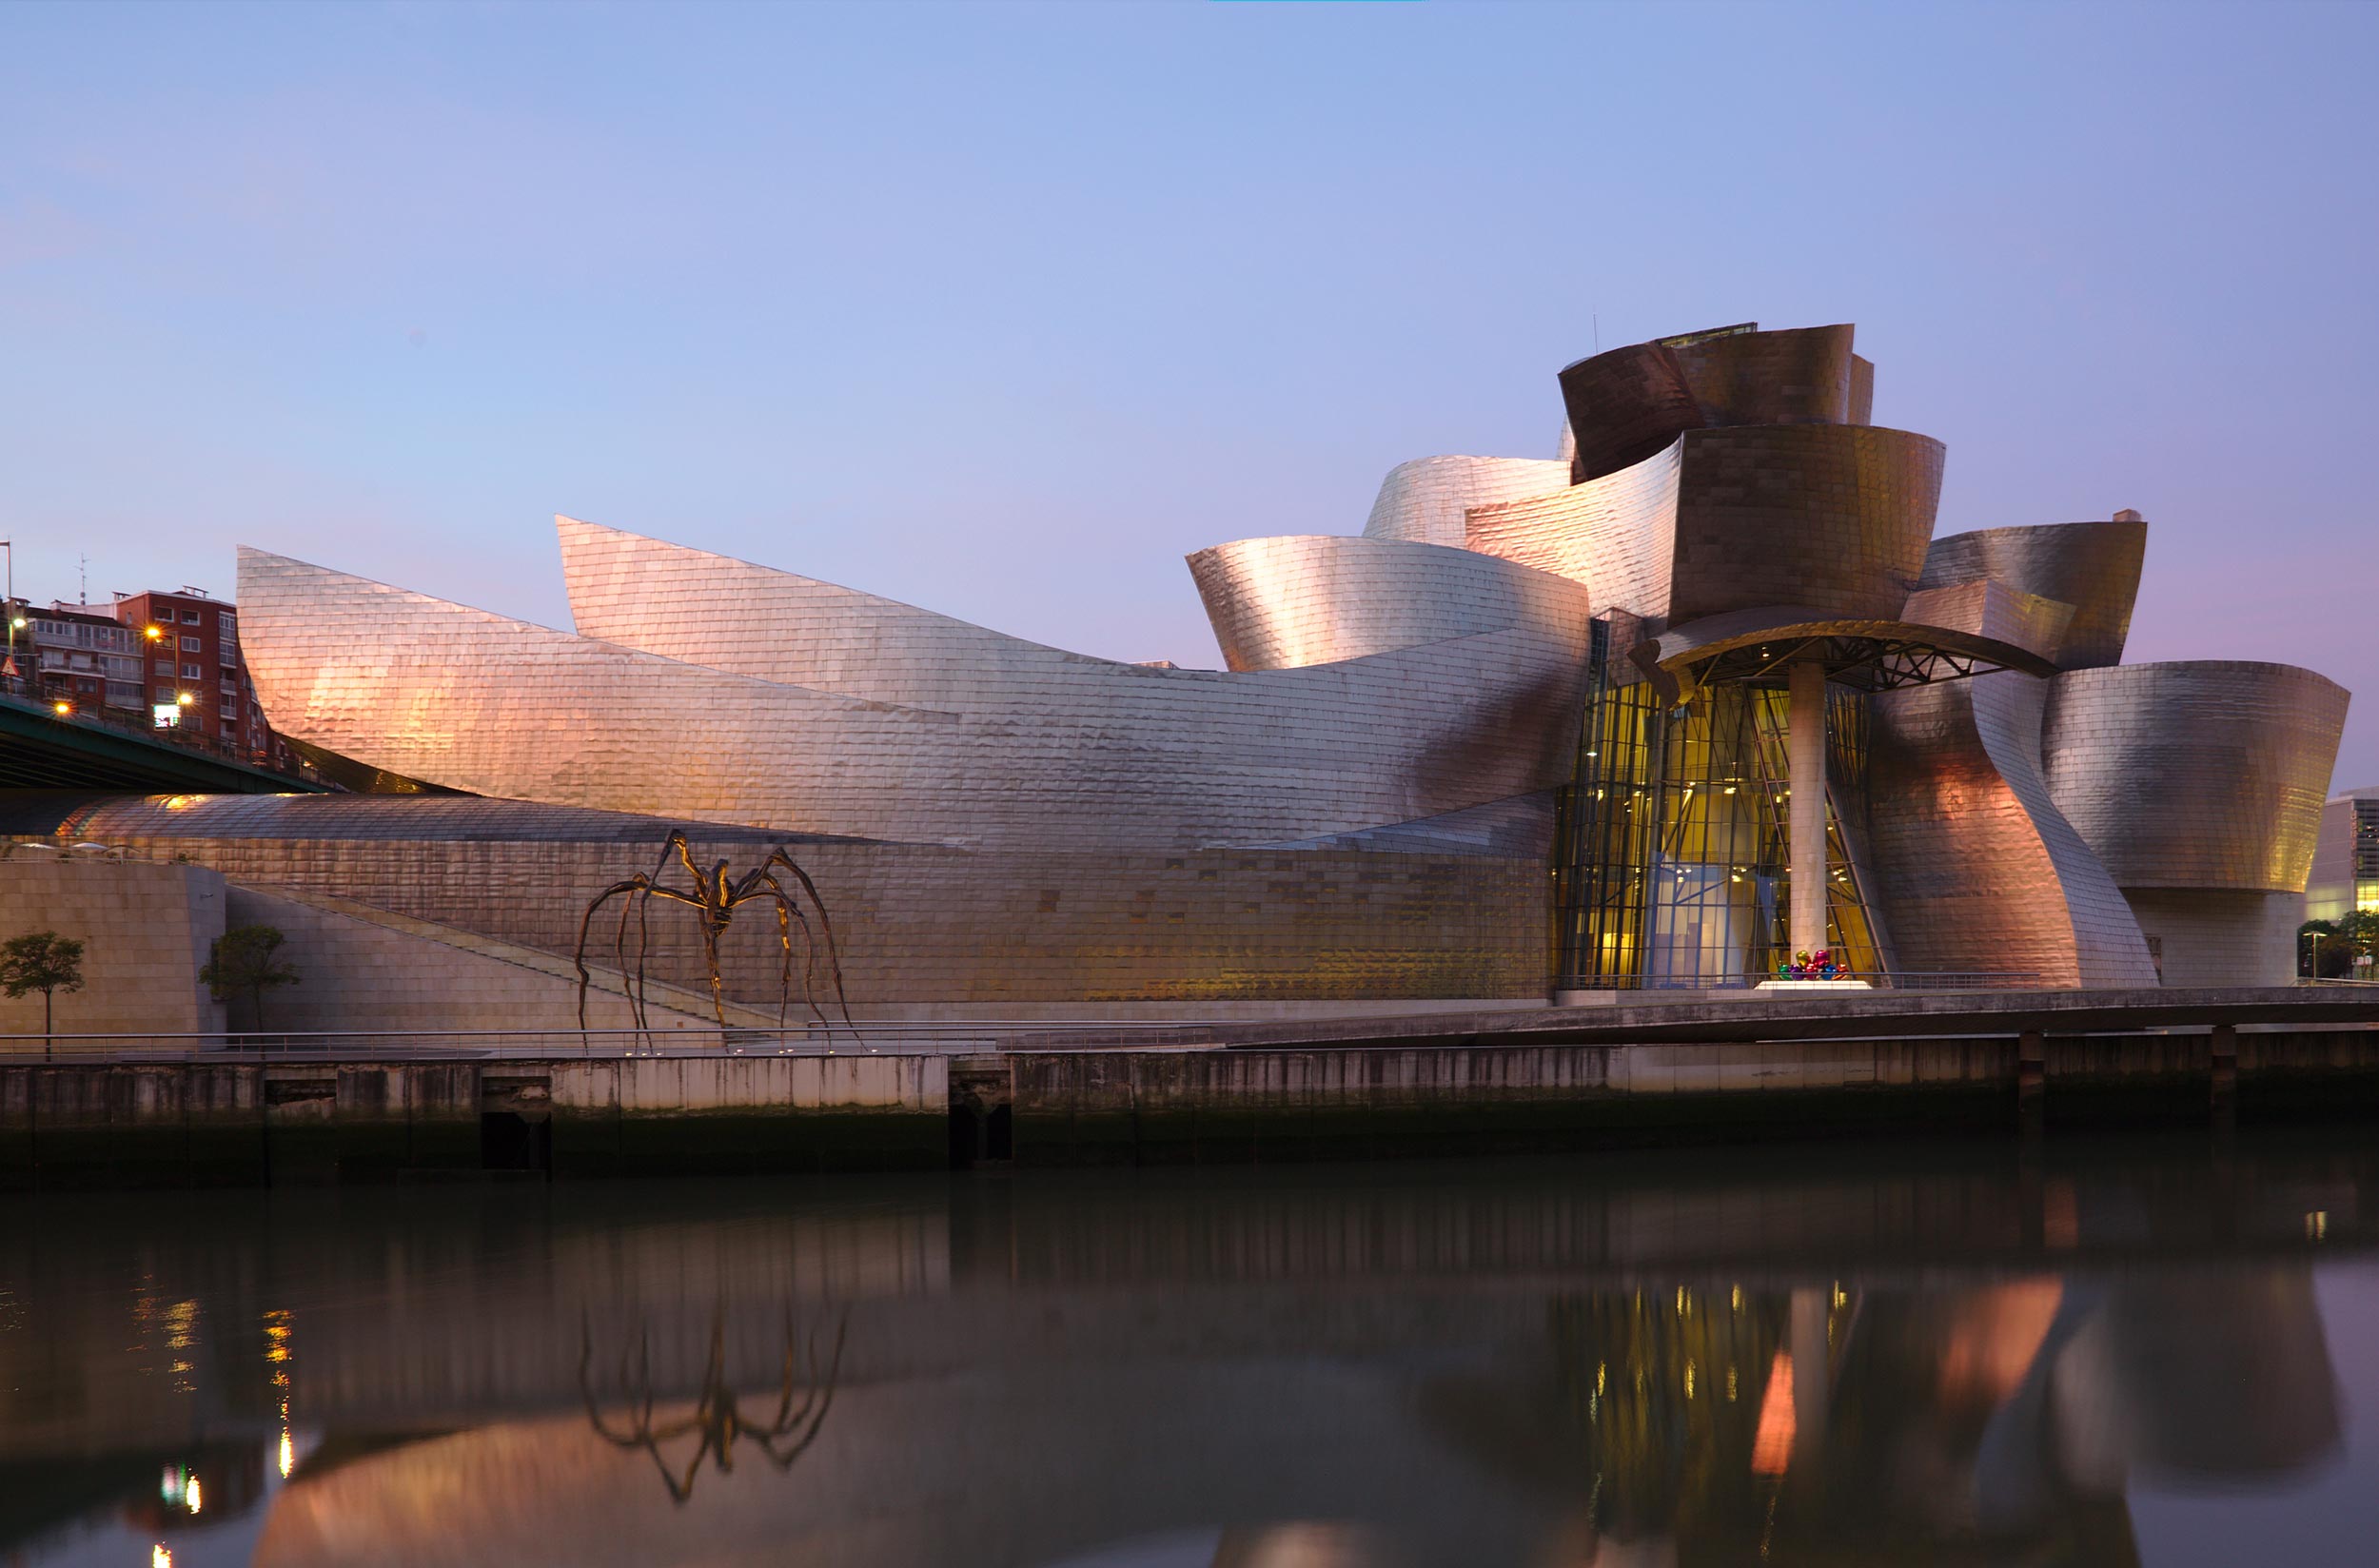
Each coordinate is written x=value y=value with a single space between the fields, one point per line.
x=716 y=1420
x=1838 y=1358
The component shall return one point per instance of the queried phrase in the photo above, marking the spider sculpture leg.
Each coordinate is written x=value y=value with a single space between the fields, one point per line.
x=826 y=926
x=631 y=887
x=787 y=916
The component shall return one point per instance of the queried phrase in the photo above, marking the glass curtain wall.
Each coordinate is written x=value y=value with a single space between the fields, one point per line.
x=1670 y=862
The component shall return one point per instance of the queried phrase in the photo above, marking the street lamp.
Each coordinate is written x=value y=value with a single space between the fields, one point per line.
x=64 y=708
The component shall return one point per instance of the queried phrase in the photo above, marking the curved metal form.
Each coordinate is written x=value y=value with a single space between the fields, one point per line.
x=1832 y=517
x=2093 y=566
x=1423 y=501
x=1975 y=868
x=748 y=619
x=1317 y=598
x=2204 y=773
x=1087 y=755
x=1799 y=376
x=1989 y=608
x=1616 y=534
x=1624 y=406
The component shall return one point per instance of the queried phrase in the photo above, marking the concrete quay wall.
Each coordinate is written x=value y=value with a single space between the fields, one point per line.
x=204 y=1124
x=198 y=1123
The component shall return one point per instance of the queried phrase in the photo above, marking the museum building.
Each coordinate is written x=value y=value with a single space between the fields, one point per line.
x=1697 y=695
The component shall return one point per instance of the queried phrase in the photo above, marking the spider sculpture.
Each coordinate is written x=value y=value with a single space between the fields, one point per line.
x=716 y=898
x=717 y=1418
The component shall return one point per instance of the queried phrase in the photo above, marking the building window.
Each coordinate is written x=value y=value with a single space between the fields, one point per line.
x=189 y=617
x=189 y=672
x=191 y=645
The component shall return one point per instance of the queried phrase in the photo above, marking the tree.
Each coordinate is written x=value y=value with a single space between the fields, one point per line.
x=244 y=962
x=2357 y=935
x=42 y=960
x=2314 y=942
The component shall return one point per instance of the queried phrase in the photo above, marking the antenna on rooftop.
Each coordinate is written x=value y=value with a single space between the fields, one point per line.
x=85 y=590
x=1598 y=333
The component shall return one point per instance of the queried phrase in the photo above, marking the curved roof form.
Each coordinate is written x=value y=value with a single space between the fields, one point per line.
x=1799 y=375
x=748 y=619
x=1316 y=599
x=1759 y=646
x=1625 y=405
x=2203 y=773
x=1081 y=755
x=1423 y=501
x=1834 y=517
x=1990 y=608
x=2093 y=566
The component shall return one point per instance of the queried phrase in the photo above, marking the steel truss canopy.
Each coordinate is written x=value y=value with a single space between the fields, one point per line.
x=1760 y=647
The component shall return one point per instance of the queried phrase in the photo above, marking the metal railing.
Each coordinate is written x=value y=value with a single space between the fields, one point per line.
x=29 y=690
x=1880 y=980
x=887 y=1037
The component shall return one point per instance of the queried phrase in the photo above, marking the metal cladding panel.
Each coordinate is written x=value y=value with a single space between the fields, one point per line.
x=1832 y=517
x=2092 y=566
x=1861 y=391
x=1423 y=501
x=1975 y=868
x=1316 y=599
x=1801 y=376
x=1617 y=534
x=1989 y=608
x=920 y=925
x=2203 y=773
x=1626 y=406
x=1092 y=755
x=755 y=621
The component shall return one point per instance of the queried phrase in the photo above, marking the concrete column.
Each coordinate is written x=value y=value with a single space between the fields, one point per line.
x=1806 y=823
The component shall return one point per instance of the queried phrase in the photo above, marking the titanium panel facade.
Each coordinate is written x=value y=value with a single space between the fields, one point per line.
x=1617 y=534
x=2093 y=566
x=1976 y=869
x=1362 y=807
x=1423 y=501
x=2196 y=775
x=1799 y=376
x=1102 y=755
x=1317 y=598
x=919 y=926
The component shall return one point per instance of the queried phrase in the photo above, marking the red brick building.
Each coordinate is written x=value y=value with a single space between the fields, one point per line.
x=193 y=665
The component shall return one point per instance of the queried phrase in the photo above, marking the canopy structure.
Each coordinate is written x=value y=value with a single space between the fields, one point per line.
x=1802 y=649
x=1760 y=647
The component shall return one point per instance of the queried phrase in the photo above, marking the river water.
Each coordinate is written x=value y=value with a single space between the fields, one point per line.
x=2158 y=1350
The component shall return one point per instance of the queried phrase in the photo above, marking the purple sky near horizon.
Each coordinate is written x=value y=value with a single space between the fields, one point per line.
x=1001 y=310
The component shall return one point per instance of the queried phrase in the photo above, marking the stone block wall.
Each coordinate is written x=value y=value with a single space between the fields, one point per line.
x=146 y=930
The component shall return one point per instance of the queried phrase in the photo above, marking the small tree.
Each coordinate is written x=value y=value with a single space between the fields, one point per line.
x=42 y=960
x=244 y=962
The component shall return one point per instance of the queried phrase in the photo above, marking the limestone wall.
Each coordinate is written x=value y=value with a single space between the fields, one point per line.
x=146 y=930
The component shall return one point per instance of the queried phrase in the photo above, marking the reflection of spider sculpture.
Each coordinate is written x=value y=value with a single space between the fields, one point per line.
x=716 y=899
x=715 y=1416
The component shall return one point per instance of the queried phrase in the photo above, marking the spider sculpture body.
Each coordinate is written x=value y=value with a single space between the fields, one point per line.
x=718 y=1422
x=715 y=897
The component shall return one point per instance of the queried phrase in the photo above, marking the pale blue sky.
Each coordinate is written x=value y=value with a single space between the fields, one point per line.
x=1001 y=310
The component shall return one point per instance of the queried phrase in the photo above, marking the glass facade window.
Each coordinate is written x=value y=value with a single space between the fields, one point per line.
x=1671 y=864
